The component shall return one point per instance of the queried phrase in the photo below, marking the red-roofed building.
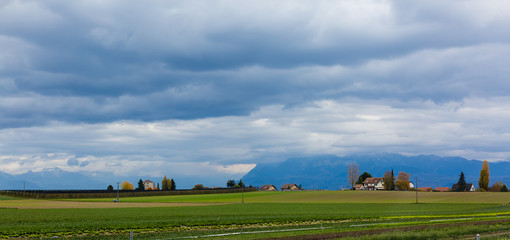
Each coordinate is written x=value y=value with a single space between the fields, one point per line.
x=442 y=189
x=425 y=189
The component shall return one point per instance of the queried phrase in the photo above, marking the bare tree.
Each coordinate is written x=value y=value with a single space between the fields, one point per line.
x=353 y=174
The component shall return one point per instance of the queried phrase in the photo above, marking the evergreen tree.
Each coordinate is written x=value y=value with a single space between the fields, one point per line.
x=362 y=177
x=483 y=182
x=231 y=183
x=504 y=188
x=461 y=184
x=109 y=188
x=172 y=184
x=140 y=185
x=241 y=183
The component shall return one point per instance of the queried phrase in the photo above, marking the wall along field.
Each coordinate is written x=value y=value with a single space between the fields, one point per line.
x=321 y=212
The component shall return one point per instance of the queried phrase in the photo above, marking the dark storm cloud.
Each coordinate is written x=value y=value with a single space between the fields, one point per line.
x=107 y=61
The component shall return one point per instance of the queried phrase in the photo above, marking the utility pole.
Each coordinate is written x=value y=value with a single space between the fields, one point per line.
x=118 y=191
x=416 y=189
x=242 y=192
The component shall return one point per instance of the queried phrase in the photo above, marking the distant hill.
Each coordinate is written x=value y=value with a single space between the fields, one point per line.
x=330 y=171
x=49 y=179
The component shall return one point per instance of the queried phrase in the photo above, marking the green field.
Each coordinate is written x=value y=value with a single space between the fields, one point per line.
x=262 y=215
x=330 y=197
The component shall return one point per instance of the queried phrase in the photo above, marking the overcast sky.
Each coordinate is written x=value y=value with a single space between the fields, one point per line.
x=186 y=88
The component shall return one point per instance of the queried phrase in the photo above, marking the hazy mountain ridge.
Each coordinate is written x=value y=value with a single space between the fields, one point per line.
x=330 y=171
x=49 y=179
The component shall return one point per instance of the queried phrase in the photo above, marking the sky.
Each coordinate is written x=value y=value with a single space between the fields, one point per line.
x=213 y=88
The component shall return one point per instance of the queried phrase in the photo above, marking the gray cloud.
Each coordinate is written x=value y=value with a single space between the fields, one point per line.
x=245 y=82
x=73 y=162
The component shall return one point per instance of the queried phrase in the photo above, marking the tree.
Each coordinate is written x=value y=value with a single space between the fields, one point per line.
x=172 y=184
x=362 y=177
x=127 y=186
x=353 y=174
x=158 y=186
x=504 y=188
x=240 y=183
x=461 y=184
x=140 y=185
x=166 y=184
x=483 y=183
x=231 y=183
x=198 y=187
x=393 y=178
x=402 y=182
x=388 y=181
x=496 y=187
x=109 y=188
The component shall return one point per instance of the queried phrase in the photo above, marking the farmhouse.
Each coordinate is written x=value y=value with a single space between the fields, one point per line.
x=442 y=189
x=289 y=187
x=469 y=187
x=148 y=185
x=268 y=188
x=359 y=187
x=373 y=184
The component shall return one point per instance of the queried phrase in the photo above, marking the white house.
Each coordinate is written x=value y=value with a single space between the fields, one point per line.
x=148 y=184
x=373 y=184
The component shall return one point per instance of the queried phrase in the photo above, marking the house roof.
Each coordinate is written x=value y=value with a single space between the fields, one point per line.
x=425 y=189
x=289 y=185
x=468 y=186
x=148 y=181
x=442 y=189
x=266 y=187
x=373 y=180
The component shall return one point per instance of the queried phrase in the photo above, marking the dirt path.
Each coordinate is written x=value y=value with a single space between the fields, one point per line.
x=47 y=204
x=371 y=232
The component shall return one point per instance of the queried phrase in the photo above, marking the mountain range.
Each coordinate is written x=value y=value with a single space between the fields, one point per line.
x=49 y=179
x=330 y=171
x=312 y=172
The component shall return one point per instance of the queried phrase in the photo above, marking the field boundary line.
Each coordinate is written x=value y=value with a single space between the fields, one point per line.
x=251 y=232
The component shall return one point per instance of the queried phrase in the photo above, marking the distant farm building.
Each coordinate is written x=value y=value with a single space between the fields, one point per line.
x=442 y=189
x=148 y=185
x=359 y=187
x=469 y=187
x=373 y=184
x=425 y=189
x=268 y=188
x=289 y=187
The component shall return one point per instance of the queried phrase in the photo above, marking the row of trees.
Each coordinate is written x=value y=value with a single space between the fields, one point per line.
x=483 y=181
x=166 y=184
x=402 y=181
x=232 y=183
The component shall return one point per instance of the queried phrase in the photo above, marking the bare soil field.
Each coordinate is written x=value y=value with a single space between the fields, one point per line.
x=51 y=204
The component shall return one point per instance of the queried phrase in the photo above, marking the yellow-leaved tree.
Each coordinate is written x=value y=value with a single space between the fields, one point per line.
x=483 y=183
x=127 y=186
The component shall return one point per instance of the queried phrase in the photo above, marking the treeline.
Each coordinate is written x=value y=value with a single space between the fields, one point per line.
x=109 y=194
x=166 y=184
